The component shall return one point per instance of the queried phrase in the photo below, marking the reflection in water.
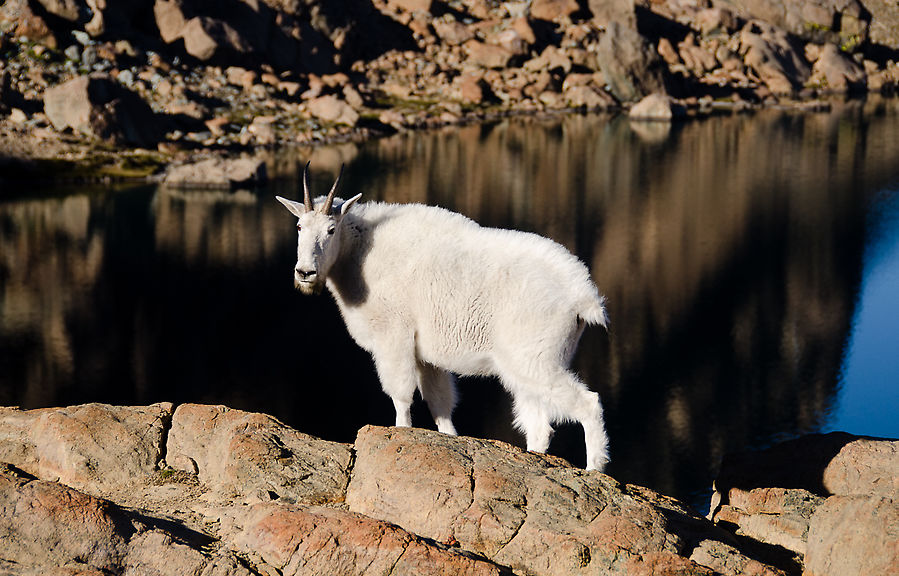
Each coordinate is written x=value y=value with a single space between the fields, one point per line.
x=731 y=250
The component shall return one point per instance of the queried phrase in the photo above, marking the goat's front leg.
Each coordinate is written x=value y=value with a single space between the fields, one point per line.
x=399 y=376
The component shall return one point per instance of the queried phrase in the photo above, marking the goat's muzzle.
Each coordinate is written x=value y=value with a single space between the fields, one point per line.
x=307 y=281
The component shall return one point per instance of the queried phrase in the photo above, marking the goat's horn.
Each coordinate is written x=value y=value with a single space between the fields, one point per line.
x=307 y=196
x=326 y=209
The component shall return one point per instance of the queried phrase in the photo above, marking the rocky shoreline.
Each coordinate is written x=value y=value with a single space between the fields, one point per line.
x=98 y=89
x=160 y=489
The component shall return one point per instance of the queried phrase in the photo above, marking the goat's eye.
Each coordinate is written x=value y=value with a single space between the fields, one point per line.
x=331 y=230
x=299 y=227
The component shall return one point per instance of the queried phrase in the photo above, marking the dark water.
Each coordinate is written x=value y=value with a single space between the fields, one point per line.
x=751 y=265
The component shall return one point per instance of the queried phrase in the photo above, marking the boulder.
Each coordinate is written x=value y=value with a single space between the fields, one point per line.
x=215 y=491
x=50 y=524
x=227 y=32
x=829 y=499
x=606 y=11
x=587 y=97
x=553 y=10
x=512 y=40
x=451 y=31
x=776 y=516
x=697 y=58
x=840 y=22
x=92 y=446
x=550 y=59
x=655 y=107
x=206 y=38
x=487 y=55
x=18 y=17
x=836 y=72
x=884 y=26
x=863 y=466
x=530 y=512
x=98 y=106
x=248 y=454
x=317 y=540
x=409 y=5
x=773 y=55
x=170 y=19
x=854 y=536
x=715 y=21
x=470 y=89
x=70 y=10
x=217 y=173
x=487 y=9
x=46 y=528
x=631 y=65
x=330 y=108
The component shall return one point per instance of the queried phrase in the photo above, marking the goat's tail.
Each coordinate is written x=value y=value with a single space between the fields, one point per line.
x=593 y=311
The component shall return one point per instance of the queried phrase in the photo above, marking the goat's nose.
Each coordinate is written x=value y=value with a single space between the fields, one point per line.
x=305 y=274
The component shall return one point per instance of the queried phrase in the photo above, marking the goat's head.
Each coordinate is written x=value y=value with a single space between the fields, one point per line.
x=318 y=234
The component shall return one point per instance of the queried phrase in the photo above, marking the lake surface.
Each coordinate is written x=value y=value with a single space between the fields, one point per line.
x=751 y=264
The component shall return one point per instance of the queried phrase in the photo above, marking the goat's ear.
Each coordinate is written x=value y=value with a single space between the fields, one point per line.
x=344 y=208
x=296 y=208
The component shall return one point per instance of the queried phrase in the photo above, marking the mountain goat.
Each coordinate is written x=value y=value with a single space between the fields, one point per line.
x=429 y=293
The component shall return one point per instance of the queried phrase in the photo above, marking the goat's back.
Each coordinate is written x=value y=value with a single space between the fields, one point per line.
x=466 y=289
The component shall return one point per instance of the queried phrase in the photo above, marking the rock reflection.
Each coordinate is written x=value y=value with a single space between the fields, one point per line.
x=50 y=261
x=731 y=254
x=213 y=228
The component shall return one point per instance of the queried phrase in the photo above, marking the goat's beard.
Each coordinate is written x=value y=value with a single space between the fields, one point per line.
x=309 y=288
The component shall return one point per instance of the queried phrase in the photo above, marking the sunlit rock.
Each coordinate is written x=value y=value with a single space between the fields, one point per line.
x=319 y=540
x=332 y=109
x=657 y=107
x=226 y=484
x=854 y=536
x=91 y=447
x=48 y=527
x=531 y=512
x=248 y=454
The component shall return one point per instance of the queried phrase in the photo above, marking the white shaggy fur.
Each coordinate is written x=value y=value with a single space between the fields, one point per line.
x=430 y=293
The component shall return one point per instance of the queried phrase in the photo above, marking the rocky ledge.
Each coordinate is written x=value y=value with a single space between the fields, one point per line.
x=98 y=489
x=83 y=80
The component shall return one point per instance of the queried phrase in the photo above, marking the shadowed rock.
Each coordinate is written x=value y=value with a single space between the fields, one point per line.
x=826 y=502
x=98 y=106
x=631 y=65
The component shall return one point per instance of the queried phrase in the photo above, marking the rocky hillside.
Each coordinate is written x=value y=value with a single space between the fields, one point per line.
x=185 y=74
x=97 y=489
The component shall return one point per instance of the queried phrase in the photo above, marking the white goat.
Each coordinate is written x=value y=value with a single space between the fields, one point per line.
x=429 y=292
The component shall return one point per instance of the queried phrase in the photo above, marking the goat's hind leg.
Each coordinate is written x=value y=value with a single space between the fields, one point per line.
x=557 y=395
x=532 y=419
x=571 y=399
x=438 y=388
